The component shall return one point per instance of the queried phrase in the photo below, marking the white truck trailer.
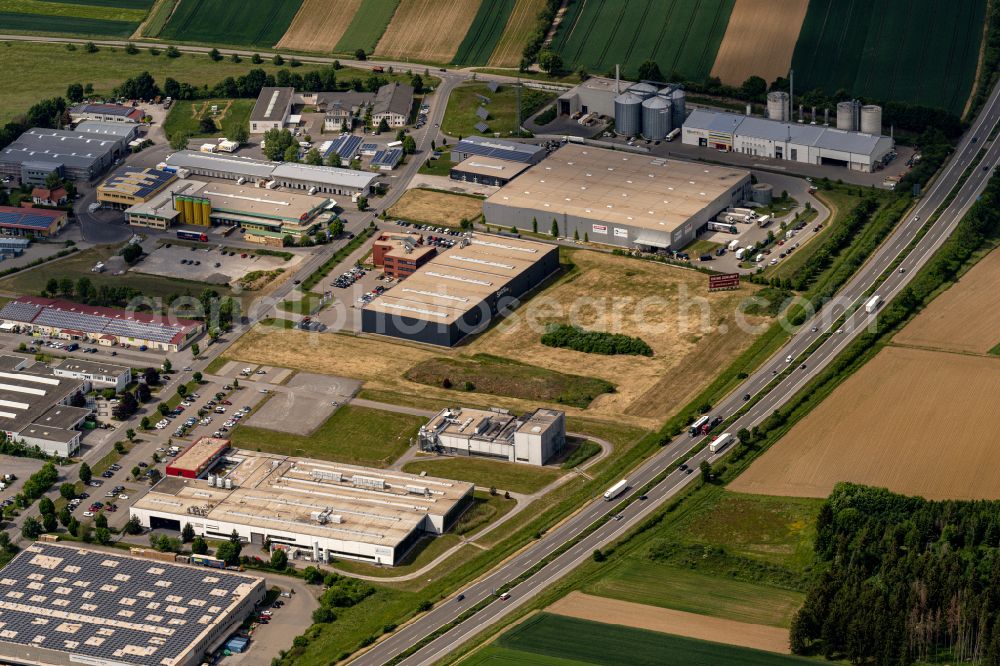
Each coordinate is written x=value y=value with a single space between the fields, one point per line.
x=720 y=442
x=873 y=303
x=616 y=490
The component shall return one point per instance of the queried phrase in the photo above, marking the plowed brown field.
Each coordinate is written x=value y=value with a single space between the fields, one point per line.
x=319 y=25
x=915 y=421
x=759 y=39
x=965 y=318
x=427 y=29
x=665 y=620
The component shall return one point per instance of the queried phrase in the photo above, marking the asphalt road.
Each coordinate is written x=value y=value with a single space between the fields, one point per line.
x=787 y=386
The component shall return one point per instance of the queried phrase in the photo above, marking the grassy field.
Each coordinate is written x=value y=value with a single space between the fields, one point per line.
x=356 y=435
x=159 y=18
x=367 y=26
x=484 y=33
x=440 y=209
x=78 y=264
x=519 y=30
x=502 y=376
x=923 y=51
x=123 y=11
x=439 y=167
x=460 y=117
x=185 y=116
x=547 y=639
x=427 y=30
x=487 y=473
x=250 y=22
x=680 y=36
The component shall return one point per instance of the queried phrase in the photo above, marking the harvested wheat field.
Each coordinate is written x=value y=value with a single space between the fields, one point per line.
x=914 y=421
x=599 y=609
x=759 y=40
x=661 y=304
x=319 y=25
x=965 y=318
x=520 y=27
x=438 y=208
x=428 y=30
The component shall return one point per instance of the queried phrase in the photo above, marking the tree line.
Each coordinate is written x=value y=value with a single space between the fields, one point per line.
x=594 y=342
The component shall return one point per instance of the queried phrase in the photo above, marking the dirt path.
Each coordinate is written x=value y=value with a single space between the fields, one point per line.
x=679 y=623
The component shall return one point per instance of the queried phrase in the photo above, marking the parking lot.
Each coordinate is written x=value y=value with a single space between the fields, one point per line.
x=304 y=403
x=21 y=468
x=208 y=264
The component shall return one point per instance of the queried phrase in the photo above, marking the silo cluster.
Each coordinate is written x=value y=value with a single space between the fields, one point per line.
x=649 y=111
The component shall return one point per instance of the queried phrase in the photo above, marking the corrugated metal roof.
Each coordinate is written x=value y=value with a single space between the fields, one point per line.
x=325 y=175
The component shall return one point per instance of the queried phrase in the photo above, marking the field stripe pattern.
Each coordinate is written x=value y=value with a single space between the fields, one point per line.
x=74 y=25
x=427 y=30
x=921 y=51
x=520 y=27
x=682 y=36
x=367 y=26
x=248 y=22
x=484 y=33
x=759 y=40
x=319 y=25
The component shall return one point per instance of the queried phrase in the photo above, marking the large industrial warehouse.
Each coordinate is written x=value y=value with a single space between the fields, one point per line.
x=618 y=198
x=321 y=510
x=40 y=152
x=781 y=140
x=63 y=605
x=35 y=406
x=462 y=290
x=532 y=439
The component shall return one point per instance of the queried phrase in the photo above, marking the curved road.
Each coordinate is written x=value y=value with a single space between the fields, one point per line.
x=786 y=387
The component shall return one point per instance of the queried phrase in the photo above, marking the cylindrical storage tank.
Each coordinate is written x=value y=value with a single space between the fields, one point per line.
x=777 y=106
x=871 y=119
x=678 y=108
x=628 y=114
x=188 y=211
x=845 y=116
x=643 y=90
x=206 y=211
x=196 y=209
x=762 y=193
x=656 y=120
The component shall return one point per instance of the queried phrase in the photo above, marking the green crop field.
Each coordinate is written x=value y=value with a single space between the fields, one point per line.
x=250 y=22
x=923 y=51
x=484 y=33
x=126 y=13
x=554 y=640
x=680 y=35
x=154 y=26
x=460 y=117
x=74 y=25
x=367 y=26
x=119 y=4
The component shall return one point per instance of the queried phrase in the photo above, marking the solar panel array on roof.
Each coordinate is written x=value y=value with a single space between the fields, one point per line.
x=346 y=146
x=116 y=608
x=482 y=127
x=369 y=147
x=388 y=157
x=138 y=182
x=501 y=150
x=25 y=217
x=482 y=113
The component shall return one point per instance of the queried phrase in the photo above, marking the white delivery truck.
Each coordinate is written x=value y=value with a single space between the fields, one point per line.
x=616 y=490
x=759 y=258
x=720 y=442
x=733 y=245
x=740 y=253
x=873 y=303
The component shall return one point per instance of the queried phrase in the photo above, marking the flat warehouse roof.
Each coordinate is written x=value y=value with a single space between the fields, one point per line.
x=323 y=175
x=194 y=457
x=619 y=188
x=458 y=279
x=498 y=148
x=490 y=166
x=311 y=497
x=113 y=608
x=58 y=146
x=91 y=367
x=118 y=130
x=233 y=164
x=257 y=201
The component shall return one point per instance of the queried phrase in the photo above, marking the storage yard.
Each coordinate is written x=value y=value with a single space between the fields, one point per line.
x=427 y=29
x=752 y=24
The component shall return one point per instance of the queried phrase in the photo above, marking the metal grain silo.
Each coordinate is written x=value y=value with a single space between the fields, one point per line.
x=678 y=107
x=845 y=117
x=656 y=118
x=643 y=90
x=762 y=193
x=871 y=119
x=778 y=103
x=628 y=114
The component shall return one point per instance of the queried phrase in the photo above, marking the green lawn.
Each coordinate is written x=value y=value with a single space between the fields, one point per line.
x=700 y=247
x=460 y=116
x=355 y=435
x=439 y=167
x=581 y=453
x=185 y=116
x=517 y=478
x=307 y=305
x=547 y=639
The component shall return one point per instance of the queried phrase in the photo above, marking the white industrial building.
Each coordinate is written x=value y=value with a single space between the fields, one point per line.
x=789 y=141
x=319 y=510
x=533 y=439
x=272 y=109
x=35 y=406
x=96 y=374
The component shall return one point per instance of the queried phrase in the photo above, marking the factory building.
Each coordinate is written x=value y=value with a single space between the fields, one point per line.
x=64 y=604
x=317 y=509
x=95 y=374
x=511 y=151
x=120 y=133
x=272 y=109
x=198 y=458
x=487 y=171
x=313 y=179
x=106 y=113
x=129 y=186
x=31 y=222
x=462 y=290
x=37 y=153
x=618 y=198
x=789 y=141
x=533 y=439
x=595 y=95
x=648 y=109
x=105 y=326
x=36 y=406
x=400 y=255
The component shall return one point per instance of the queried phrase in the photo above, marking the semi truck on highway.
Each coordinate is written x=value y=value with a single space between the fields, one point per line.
x=697 y=426
x=873 y=303
x=720 y=442
x=616 y=490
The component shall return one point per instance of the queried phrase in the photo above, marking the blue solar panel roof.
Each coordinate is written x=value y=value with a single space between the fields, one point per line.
x=26 y=217
x=388 y=157
x=139 y=182
x=497 y=148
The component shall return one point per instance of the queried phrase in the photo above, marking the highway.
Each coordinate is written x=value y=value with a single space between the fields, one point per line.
x=787 y=386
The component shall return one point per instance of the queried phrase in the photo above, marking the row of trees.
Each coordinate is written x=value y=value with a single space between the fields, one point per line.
x=594 y=342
